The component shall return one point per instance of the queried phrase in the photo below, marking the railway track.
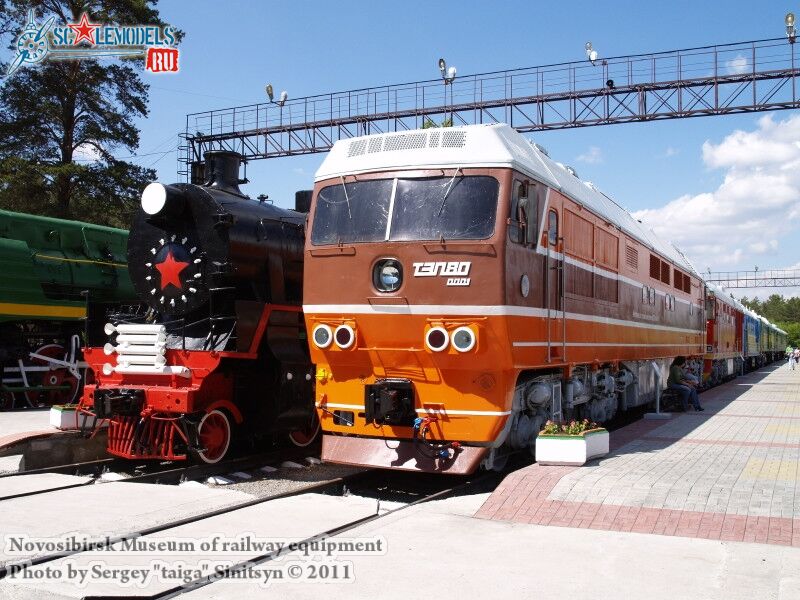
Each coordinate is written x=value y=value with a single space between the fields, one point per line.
x=108 y=541
x=407 y=488
x=77 y=468
x=160 y=473
x=431 y=492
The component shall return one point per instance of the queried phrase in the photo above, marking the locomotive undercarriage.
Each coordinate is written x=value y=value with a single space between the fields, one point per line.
x=597 y=395
x=722 y=370
x=40 y=363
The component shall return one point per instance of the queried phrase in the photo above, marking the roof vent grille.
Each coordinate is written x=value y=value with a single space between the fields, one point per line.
x=454 y=139
x=404 y=141
x=357 y=148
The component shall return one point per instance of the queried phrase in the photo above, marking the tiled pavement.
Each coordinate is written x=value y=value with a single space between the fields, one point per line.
x=729 y=473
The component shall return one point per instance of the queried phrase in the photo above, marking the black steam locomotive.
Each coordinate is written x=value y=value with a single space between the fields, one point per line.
x=221 y=344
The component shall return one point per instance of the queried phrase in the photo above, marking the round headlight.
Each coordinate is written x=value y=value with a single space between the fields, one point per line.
x=436 y=339
x=345 y=336
x=387 y=275
x=154 y=197
x=463 y=339
x=323 y=336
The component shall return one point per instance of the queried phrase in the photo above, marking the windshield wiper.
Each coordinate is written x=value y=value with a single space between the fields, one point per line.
x=347 y=199
x=447 y=191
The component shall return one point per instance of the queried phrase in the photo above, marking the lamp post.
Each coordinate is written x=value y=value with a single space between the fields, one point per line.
x=591 y=53
x=279 y=102
x=448 y=75
x=791 y=32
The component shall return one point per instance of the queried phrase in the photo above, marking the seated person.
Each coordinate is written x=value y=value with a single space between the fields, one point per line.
x=684 y=383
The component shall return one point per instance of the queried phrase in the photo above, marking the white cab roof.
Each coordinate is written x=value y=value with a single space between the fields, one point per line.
x=485 y=146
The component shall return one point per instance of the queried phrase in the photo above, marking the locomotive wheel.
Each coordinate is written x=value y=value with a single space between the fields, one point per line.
x=56 y=376
x=214 y=433
x=305 y=437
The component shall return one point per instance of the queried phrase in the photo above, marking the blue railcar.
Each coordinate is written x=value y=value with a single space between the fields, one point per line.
x=751 y=337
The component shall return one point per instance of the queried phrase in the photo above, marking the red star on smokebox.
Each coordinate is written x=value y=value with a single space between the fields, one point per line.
x=84 y=29
x=170 y=270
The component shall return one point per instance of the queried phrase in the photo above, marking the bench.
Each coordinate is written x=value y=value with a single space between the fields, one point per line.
x=670 y=400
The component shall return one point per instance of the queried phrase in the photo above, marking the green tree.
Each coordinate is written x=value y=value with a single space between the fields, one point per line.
x=792 y=333
x=55 y=112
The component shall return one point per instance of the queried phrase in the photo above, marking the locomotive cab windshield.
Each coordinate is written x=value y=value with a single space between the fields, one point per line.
x=450 y=207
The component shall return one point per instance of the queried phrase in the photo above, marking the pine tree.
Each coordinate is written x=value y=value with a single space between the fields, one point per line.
x=54 y=111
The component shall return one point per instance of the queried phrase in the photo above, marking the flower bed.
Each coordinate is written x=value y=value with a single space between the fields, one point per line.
x=571 y=443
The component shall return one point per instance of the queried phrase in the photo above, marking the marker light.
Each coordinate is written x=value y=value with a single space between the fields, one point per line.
x=345 y=336
x=463 y=339
x=436 y=339
x=323 y=336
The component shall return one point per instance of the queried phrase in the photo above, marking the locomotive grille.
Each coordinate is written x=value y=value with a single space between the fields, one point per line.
x=407 y=141
x=404 y=141
x=357 y=148
x=632 y=257
x=454 y=139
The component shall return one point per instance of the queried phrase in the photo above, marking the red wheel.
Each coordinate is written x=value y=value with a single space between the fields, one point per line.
x=305 y=437
x=56 y=377
x=214 y=432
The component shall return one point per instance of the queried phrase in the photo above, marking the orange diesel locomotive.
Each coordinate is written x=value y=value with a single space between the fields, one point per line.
x=461 y=288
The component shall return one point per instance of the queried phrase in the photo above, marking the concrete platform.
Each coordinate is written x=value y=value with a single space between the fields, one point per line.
x=19 y=424
x=29 y=433
x=442 y=549
x=285 y=519
x=729 y=473
x=104 y=509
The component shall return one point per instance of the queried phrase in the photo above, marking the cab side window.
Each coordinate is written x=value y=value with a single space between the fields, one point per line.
x=516 y=217
x=523 y=214
x=552 y=227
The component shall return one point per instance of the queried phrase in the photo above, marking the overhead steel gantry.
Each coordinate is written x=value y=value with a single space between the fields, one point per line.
x=755 y=279
x=712 y=80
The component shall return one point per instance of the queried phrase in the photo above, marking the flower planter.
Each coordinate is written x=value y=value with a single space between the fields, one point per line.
x=63 y=417
x=572 y=450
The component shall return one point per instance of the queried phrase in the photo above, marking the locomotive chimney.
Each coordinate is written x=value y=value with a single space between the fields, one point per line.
x=222 y=171
x=302 y=200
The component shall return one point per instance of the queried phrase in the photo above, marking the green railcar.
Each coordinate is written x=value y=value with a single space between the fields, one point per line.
x=47 y=268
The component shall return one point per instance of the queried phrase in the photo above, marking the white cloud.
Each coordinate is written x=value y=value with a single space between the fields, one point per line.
x=756 y=205
x=670 y=152
x=299 y=171
x=592 y=157
x=737 y=65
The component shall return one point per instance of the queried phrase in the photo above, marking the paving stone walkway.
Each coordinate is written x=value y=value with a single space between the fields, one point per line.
x=728 y=473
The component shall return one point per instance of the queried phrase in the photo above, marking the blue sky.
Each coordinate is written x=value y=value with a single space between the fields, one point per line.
x=232 y=49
